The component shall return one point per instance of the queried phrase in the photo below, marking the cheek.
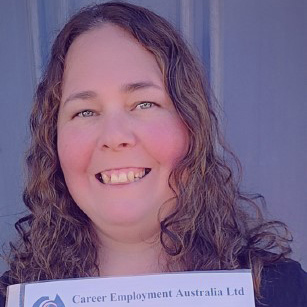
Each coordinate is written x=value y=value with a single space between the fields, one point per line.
x=168 y=140
x=74 y=149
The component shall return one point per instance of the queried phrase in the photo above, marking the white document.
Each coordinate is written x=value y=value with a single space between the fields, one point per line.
x=207 y=289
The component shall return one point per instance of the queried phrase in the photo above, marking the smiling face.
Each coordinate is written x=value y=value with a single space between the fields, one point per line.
x=119 y=134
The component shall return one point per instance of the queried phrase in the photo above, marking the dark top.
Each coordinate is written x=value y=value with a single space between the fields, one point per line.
x=284 y=284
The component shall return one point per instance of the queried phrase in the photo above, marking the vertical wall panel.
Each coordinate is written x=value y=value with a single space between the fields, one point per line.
x=265 y=73
x=17 y=80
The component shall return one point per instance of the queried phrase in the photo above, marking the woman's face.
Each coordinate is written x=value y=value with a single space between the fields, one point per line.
x=119 y=134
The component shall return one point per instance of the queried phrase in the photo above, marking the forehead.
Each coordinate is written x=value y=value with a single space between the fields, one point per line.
x=110 y=54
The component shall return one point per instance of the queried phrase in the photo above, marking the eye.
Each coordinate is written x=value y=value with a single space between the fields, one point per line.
x=145 y=105
x=85 y=113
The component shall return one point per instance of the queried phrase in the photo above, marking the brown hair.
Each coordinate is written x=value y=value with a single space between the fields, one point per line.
x=213 y=226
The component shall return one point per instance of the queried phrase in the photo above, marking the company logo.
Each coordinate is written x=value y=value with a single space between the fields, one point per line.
x=44 y=301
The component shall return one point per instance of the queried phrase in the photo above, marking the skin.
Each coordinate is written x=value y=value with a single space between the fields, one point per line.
x=115 y=114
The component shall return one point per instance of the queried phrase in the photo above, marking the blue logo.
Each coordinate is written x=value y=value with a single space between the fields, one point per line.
x=44 y=301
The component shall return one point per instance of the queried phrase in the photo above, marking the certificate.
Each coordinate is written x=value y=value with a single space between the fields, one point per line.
x=210 y=289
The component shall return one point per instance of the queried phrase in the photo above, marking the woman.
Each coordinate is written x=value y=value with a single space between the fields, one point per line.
x=127 y=161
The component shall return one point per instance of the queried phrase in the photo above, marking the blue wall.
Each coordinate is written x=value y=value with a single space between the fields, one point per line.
x=256 y=54
x=265 y=102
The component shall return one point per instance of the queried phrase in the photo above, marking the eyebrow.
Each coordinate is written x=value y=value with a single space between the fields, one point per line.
x=131 y=87
x=126 y=88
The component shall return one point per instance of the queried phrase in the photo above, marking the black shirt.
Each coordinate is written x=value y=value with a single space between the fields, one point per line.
x=283 y=284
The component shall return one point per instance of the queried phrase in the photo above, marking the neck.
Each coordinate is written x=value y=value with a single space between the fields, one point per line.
x=122 y=258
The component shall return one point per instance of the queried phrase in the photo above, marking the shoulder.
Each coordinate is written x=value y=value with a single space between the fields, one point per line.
x=284 y=283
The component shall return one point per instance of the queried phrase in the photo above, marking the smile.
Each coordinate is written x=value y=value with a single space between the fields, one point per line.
x=120 y=176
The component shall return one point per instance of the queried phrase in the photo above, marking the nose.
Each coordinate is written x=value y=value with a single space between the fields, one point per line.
x=116 y=132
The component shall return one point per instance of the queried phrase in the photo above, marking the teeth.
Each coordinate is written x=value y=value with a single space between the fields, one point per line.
x=140 y=174
x=123 y=177
x=131 y=176
x=114 y=178
x=105 y=178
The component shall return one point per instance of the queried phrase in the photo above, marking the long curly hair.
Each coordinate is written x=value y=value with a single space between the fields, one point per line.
x=213 y=224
